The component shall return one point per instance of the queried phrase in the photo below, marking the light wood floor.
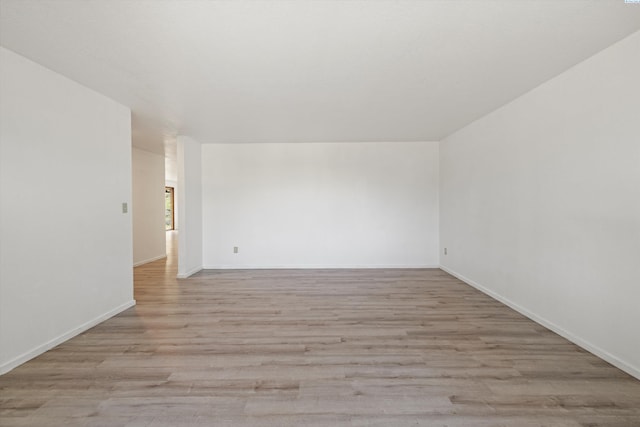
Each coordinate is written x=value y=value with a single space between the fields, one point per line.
x=316 y=348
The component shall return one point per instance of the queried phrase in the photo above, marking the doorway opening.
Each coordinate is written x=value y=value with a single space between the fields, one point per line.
x=169 y=211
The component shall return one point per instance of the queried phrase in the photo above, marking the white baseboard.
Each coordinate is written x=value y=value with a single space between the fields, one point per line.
x=312 y=266
x=603 y=354
x=146 y=261
x=11 y=364
x=188 y=273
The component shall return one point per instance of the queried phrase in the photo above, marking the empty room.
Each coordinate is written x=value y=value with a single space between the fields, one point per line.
x=320 y=213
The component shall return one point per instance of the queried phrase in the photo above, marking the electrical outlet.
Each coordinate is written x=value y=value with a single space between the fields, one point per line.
x=235 y=249
x=125 y=207
x=445 y=251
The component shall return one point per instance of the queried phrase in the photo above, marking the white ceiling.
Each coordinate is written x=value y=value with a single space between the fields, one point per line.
x=298 y=71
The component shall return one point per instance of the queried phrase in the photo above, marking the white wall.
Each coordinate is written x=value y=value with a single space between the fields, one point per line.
x=190 y=206
x=540 y=204
x=320 y=205
x=149 y=235
x=65 y=245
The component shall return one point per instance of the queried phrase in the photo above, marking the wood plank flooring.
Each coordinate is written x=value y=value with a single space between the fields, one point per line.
x=316 y=348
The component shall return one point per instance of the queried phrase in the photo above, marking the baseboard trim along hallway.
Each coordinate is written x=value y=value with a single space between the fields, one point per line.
x=615 y=361
x=6 y=367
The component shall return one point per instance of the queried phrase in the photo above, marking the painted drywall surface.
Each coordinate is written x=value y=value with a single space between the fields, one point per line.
x=293 y=71
x=540 y=203
x=190 y=206
x=320 y=205
x=149 y=235
x=65 y=246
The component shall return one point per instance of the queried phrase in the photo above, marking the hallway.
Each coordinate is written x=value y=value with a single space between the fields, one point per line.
x=157 y=279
